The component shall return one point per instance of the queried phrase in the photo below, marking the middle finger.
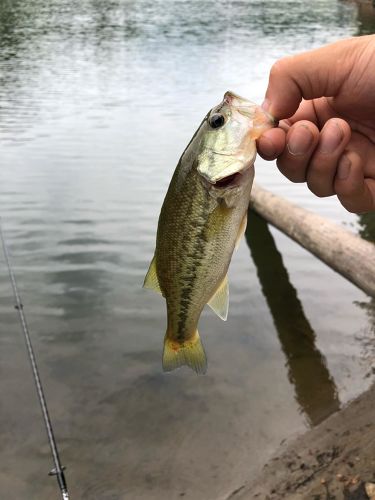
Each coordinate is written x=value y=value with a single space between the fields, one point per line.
x=301 y=140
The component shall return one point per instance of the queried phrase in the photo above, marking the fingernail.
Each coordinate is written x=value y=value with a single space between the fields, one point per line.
x=343 y=169
x=300 y=141
x=332 y=135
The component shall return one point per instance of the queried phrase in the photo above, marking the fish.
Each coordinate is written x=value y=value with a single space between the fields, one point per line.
x=201 y=222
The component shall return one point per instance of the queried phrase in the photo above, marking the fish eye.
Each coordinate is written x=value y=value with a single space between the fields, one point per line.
x=217 y=120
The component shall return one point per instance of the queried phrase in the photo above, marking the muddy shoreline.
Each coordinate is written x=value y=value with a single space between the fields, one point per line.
x=333 y=461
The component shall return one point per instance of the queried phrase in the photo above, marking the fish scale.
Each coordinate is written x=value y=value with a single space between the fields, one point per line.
x=187 y=242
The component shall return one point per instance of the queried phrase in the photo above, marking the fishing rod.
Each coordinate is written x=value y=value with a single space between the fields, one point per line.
x=58 y=469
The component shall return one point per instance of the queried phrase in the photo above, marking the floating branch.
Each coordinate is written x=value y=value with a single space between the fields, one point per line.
x=343 y=251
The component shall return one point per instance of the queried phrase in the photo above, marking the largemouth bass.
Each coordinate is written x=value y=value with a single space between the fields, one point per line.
x=202 y=220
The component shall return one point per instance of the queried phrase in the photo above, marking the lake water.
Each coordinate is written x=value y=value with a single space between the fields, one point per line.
x=97 y=102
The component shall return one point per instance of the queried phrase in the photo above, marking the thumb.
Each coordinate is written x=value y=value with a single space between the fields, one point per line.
x=317 y=73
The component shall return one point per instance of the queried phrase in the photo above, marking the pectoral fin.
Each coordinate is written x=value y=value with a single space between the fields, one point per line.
x=219 y=302
x=241 y=231
x=151 y=280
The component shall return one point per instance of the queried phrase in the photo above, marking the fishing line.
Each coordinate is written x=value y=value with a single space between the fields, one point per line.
x=58 y=469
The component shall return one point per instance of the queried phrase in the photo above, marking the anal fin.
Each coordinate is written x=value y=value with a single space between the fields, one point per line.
x=219 y=302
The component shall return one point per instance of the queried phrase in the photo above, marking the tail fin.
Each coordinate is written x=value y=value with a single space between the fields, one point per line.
x=190 y=353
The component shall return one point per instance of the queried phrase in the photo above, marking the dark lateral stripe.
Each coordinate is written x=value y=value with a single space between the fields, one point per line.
x=190 y=276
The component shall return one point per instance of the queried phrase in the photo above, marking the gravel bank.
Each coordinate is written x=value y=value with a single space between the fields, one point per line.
x=333 y=461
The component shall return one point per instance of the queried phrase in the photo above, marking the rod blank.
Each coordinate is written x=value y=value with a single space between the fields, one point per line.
x=58 y=470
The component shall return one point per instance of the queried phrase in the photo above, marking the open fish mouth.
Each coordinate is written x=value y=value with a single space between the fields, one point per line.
x=228 y=181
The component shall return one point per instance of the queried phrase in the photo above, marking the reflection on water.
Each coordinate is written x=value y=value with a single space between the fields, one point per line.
x=315 y=389
x=97 y=102
x=369 y=307
x=83 y=292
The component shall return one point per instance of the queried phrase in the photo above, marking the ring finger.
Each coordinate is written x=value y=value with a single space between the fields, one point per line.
x=321 y=171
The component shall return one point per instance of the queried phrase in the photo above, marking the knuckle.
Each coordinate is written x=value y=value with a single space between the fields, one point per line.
x=280 y=67
x=266 y=149
x=320 y=193
x=342 y=187
x=353 y=209
x=294 y=173
x=347 y=189
x=352 y=205
x=320 y=190
x=320 y=179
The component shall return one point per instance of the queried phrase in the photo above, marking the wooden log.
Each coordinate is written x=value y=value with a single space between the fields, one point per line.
x=343 y=251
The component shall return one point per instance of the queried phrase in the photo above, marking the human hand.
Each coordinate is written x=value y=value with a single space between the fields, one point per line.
x=325 y=100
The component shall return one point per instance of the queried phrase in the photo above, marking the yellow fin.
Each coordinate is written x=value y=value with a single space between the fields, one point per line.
x=190 y=353
x=241 y=231
x=151 y=280
x=219 y=302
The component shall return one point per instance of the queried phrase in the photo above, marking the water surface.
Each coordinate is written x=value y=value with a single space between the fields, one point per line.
x=97 y=102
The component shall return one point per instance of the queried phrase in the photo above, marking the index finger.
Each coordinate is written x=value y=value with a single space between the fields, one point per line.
x=317 y=73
